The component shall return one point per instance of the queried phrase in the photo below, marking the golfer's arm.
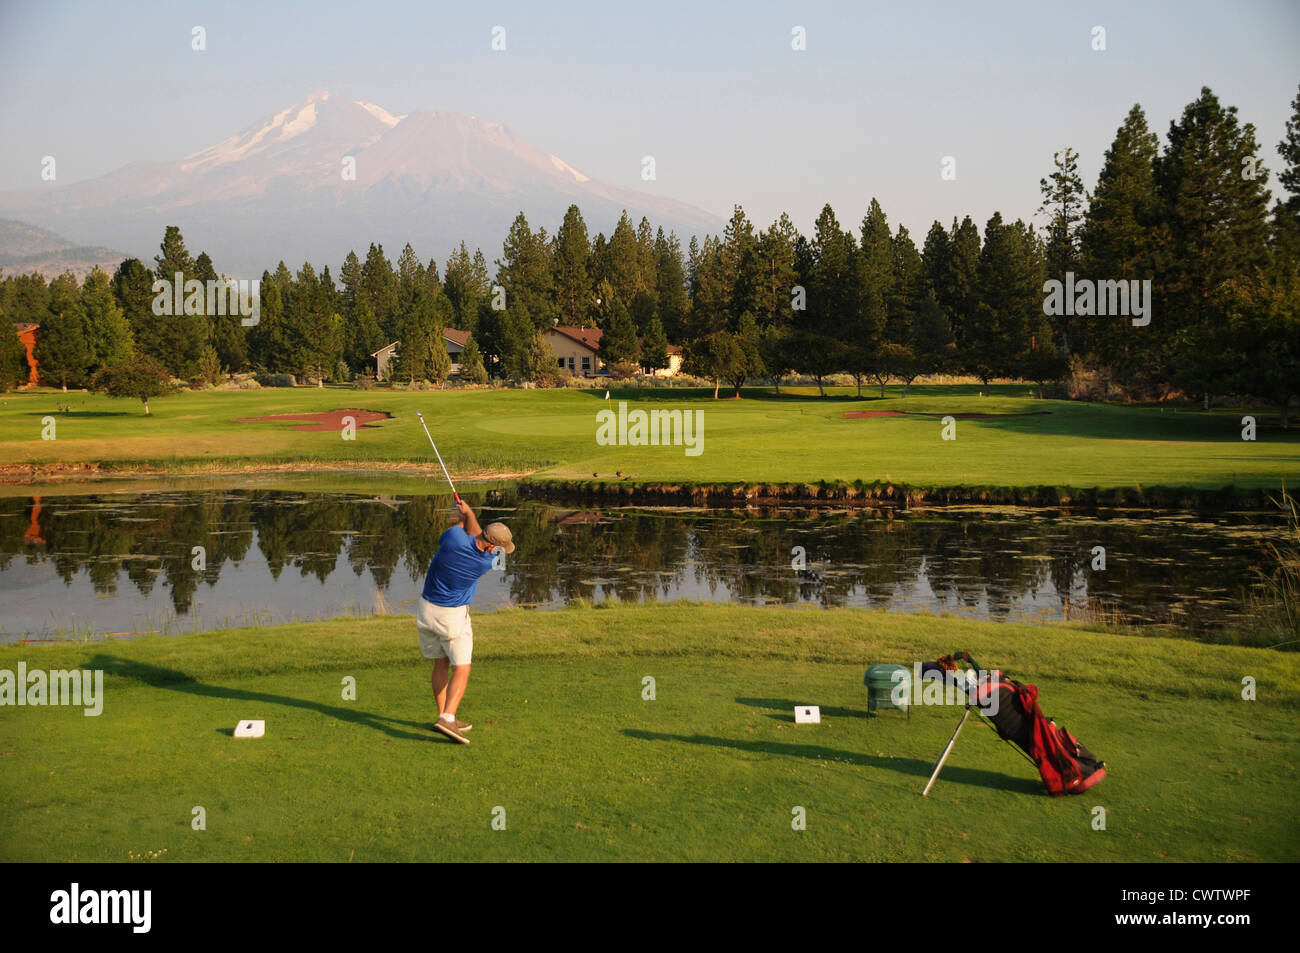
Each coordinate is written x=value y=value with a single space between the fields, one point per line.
x=470 y=522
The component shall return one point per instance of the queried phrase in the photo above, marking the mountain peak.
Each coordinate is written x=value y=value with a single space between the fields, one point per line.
x=328 y=174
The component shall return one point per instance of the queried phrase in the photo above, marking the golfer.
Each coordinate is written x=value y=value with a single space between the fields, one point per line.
x=465 y=553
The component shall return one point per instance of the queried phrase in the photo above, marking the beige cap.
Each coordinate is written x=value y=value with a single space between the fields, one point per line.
x=497 y=534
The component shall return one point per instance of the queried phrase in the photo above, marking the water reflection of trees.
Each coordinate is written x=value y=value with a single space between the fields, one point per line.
x=861 y=557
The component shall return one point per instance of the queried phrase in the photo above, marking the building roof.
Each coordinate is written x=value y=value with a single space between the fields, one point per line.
x=456 y=337
x=386 y=347
x=587 y=337
x=24 y=326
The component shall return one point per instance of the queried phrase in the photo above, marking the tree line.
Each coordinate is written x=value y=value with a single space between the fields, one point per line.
x=1191 y=217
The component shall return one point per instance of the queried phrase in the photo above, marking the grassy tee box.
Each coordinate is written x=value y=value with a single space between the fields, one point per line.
x=578 y=762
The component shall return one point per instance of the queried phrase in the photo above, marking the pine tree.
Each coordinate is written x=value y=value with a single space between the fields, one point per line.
x=107 y=331
x=525 y=272
x=133 y=290
x=524 y=351
x=312 y=327
x=1214 y=223
x=27 y=298
x=418 y=333
x=268 y=340
x=379 y=289
x=350 y=283
x=466 y=284
x=831 y=278
x=225 y=333
x=647 y=259
x=13 y=355
x=643 y=310
x=572 y=280
x=960 y=294
x=1065 y=203
x=746 y=360
x=410 y=273
x=998 y=331
x=777 y=274
x=1289 y=150
x=873 y=345
x=63 y=354
x=671 y=301
x=654 y=347
x=361 y=336
x=621 y=266
x=439 y=360
x=1118 y=242
x=1286 y=213
x=932 y=342
x=471 y=363
x=618 y=345
x=740 y=268
x=181 y=336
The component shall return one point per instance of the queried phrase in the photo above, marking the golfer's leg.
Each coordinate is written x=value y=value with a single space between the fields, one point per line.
x=438 y=681
x=456 y=690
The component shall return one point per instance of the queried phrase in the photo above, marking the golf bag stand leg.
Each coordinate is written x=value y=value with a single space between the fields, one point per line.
x=946 y=751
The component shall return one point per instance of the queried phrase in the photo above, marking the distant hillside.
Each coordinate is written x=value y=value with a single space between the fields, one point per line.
x=329 y=175
x=25 y=248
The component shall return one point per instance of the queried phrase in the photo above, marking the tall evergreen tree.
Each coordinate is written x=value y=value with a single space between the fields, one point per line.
x=740 y=268
x=180 y=337
x=654 y=347
x=379 y=288
x=1065 y=204
x=1119 y=244
x=618 y=345
x=524 y=271
x=873 y=343
x=63 y=354
x=471 y=363
x=572 y=280
x=831 y=278
x=1215 y=227
x=960 y=294
x=777 y=273
x=133 y=289
x=466 y=285
x=621 y=263
x=672 y=303
x=1286 y=213
x=108 y=333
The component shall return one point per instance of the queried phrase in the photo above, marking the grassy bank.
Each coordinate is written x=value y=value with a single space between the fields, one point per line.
x=794 y=439
x=585 y=768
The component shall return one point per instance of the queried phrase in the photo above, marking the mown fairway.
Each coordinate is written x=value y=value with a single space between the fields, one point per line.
x=796 y=437
x=585 y=768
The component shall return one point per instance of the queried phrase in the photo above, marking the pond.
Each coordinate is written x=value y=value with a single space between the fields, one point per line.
x=173 y=561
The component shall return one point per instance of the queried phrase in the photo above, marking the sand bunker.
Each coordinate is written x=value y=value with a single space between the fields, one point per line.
x=328 y=420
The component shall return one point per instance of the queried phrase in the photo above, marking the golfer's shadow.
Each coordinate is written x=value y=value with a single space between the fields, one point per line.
x=908 y=766
x=174 y=680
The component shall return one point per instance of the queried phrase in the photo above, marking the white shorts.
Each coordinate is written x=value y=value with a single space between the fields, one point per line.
x=445 y=632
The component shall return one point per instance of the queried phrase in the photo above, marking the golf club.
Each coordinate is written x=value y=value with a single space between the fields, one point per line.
x=439 y=456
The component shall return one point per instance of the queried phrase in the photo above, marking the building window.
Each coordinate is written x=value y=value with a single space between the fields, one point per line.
x=570 y=363
x=586 y=363
x=561 y=363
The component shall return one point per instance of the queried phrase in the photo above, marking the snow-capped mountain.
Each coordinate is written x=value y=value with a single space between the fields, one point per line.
x=329 y=175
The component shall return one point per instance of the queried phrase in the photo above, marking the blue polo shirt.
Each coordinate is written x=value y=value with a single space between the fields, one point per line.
x=454 y=572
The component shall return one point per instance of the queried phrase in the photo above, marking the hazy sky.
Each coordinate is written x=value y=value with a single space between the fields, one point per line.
x=714 y=91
